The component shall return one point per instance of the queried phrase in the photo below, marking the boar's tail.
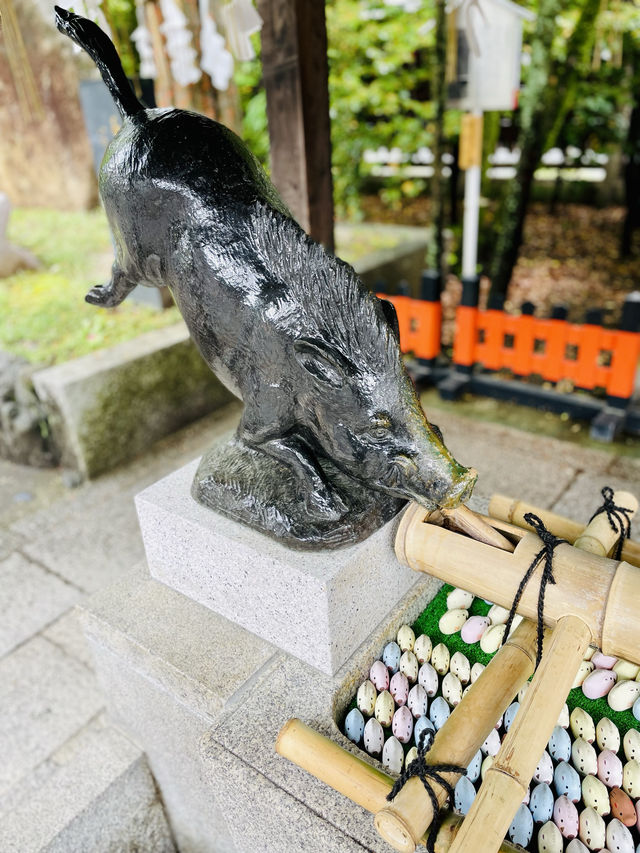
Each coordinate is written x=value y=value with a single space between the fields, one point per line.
x=91 y=38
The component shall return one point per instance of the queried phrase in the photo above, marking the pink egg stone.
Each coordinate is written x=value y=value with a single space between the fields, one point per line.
x=399 y=688
x=402 y=724
x=379 y=675
x=565 y=817
x=610 y=769
x=474 y=628
x=598 y=683
x=603 y=661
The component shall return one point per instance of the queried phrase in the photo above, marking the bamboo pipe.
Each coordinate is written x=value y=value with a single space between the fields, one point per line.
x=508 y=778
x=512 y=510
x=351 y=776
x=597 y=590
x=405 y=820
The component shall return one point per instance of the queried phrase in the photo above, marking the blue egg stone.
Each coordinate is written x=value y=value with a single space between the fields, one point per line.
x=391 y=655
x=509 y=714
x=567 y=782
x=354 y=725
x=463 y=795
x=420 y=724
x=521 y=829
x=560 y=744
x=541 y=803
x=439 y=712
x=474 y=767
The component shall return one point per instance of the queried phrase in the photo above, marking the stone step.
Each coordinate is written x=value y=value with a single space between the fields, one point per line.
x=94 y=793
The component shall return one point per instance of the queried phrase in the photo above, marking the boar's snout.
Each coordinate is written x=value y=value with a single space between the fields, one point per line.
x=461 y=490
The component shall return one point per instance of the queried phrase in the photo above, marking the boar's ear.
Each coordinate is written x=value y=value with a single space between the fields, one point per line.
x=390 y=315
x=322 y=361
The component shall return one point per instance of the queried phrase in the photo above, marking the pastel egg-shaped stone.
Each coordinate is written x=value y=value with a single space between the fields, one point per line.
x=366 y=698
x=566 y=781
x=517 y=619
x=418 y=727
x=418 y=702
x=459 y=665
x=487 y=761
x=373 y=737
x=498 y=615
x=459 y=599
x=409 y=666
x=619 y=839
x=598 y=683
x=541 y=803
x=563 y=717
x=559 y=744
x=406 y=638
x=626 y=669
x=476 y=671
x=622 y=695
x=411 y=755
x=420 y=724
x=631 y=778
x=422 y=648
x=393 y=755
x=582 y=725
x=452 y=621
x=603 y=661
x=523 y=691
x=592 y=829
x=565 y=817
x=354 y=725
x=550 y=838
x=583 y=757
x=473 y=768
x=379 y=675
x=509 y=715
x=428 y=678
x=636 y=709
x=384 y=708
x=622 y=807
x=590 y=652
x=474 y=628
x=576 y=846
x=609 y=769
x=631 y=744
x=440 y=658
x=491 y=743
x=439 y=712
x=402 y=724
x=585 y=669
x=491 y=640
x=607 y=734
x=595 y=794
x=391 y=655
x=638 y=814
x=452 y=689
x=544 y=769
x=527 y=797
x=521 y=829
x=463 y=795
x=399 y=688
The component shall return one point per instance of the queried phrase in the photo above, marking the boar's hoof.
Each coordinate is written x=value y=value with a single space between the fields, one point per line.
x=325 y=505
x=100 y=295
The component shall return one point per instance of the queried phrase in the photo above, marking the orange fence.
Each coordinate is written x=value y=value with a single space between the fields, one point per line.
x=420 y=323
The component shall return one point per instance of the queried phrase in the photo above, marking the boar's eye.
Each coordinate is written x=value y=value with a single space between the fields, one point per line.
x=379 y=428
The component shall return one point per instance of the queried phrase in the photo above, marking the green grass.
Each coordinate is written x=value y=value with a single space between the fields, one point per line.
x=45 y=317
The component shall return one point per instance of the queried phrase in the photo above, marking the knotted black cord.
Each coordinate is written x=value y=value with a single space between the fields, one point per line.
x=619 y=519
x=424 y=772
x=550 y=542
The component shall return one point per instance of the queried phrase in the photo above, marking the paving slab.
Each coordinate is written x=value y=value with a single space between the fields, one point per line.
x=66 y=633
x=45 y=698
x=30 y=599
x=583 y=497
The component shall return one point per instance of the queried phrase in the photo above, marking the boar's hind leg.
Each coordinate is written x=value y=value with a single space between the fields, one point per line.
x=112 y=294
x=321 y=500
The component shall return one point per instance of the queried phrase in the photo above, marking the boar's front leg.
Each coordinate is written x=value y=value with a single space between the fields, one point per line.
x=112 y=294
x=321 y=500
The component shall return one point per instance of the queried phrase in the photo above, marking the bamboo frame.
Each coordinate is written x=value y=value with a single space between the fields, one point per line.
x=351 y=776
x=512 y=510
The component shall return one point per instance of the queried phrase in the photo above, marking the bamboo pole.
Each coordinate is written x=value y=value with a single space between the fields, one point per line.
x=507 y=780
x=351 y=776
x=404 y=821
x=513 y=511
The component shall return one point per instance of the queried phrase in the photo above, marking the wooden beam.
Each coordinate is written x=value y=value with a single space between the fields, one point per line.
x=295 y=70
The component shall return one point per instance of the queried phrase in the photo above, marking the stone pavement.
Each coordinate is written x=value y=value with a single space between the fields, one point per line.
x=59 y=545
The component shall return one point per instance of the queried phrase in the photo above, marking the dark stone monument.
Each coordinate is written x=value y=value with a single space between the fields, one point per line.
x=333 y=439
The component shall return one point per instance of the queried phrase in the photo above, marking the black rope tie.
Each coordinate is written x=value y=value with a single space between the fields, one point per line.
x=550 y=543
x=424 y=772
x=619 y=519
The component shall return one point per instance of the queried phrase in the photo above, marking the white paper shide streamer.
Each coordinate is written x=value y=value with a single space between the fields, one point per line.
x=240 y=22
x=215 y=59
x=141 y=37
x=182 y=55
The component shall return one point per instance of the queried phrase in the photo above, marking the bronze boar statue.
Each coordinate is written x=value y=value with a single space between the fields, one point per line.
x=332 y=439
